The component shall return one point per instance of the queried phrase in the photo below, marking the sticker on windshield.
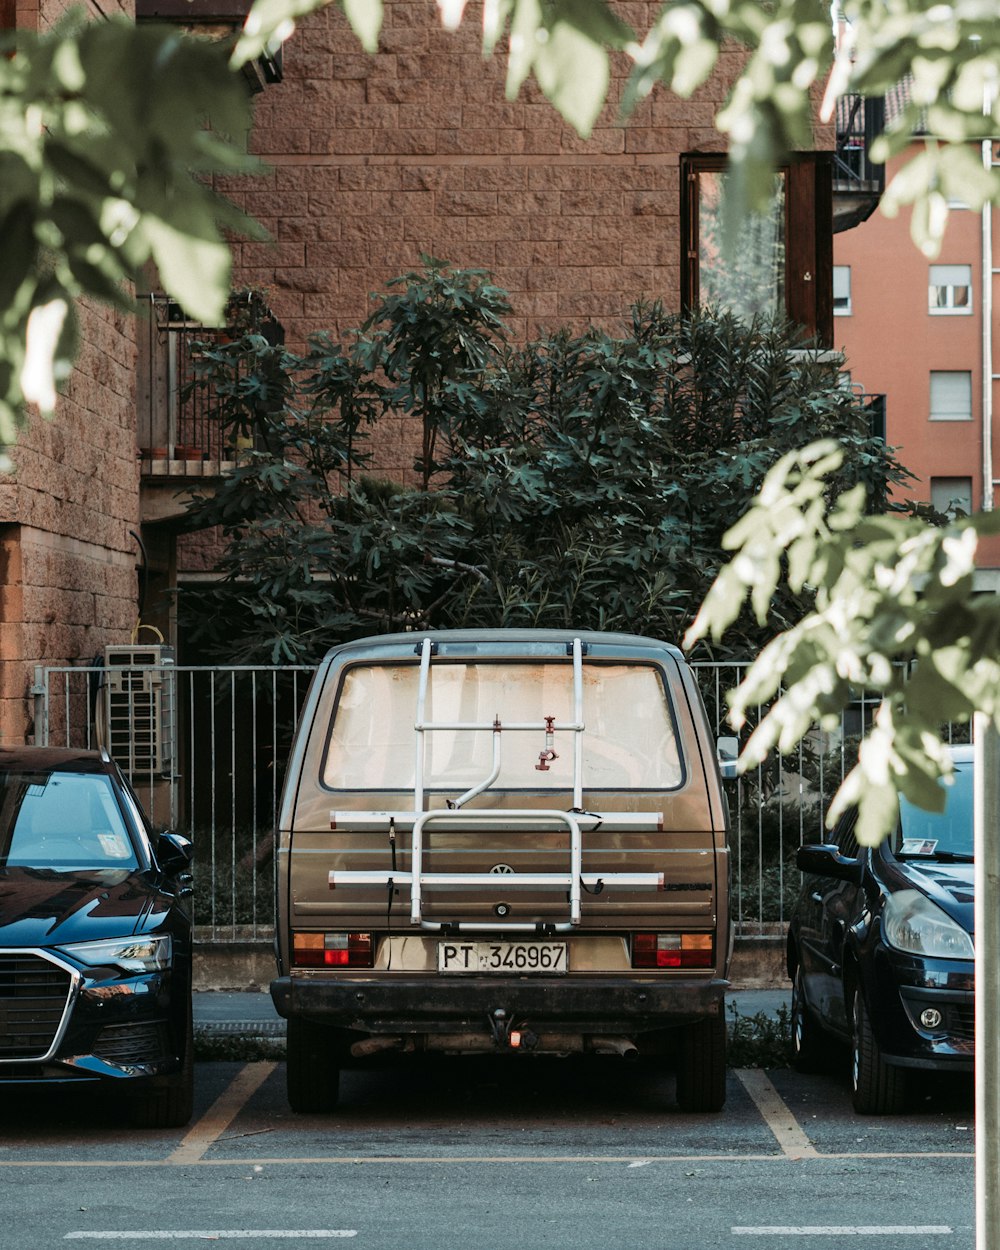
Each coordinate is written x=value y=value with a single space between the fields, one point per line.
x=114 y=845
x=918 y=846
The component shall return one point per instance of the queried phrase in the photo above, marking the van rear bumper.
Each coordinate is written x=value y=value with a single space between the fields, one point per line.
x=396 y=1004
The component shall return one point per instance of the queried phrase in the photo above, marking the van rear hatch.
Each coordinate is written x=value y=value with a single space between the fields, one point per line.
x=469 y=790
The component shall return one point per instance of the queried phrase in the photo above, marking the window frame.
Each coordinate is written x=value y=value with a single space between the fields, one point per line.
x=848 y=309
x=959 y=495
x=949 y=309
x=808 y=237
x=946 y=416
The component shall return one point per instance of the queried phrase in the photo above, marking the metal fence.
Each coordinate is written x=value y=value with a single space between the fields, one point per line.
x=206 y=748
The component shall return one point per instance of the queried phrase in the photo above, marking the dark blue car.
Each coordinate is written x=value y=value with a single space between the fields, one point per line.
x=95 y=936
x=880 y=950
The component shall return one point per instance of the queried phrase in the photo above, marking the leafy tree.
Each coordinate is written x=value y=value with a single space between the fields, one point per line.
x=102 y=126
x=894 y=611
x=103 y=149
x=583 y=481
x=949 y=50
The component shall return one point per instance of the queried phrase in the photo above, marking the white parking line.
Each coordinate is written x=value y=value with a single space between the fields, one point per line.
x=221 y=1113
x=778 y=1118
x=843 y=1230
x=218 y=1234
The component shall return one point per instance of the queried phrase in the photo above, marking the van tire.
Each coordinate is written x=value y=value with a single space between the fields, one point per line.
x=312 y=1068
x=701 y=1065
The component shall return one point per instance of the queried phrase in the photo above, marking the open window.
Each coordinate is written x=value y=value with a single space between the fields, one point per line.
x=783 y=261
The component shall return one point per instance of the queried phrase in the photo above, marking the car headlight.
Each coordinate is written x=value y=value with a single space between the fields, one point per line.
x=135 y=954
x=912 y=923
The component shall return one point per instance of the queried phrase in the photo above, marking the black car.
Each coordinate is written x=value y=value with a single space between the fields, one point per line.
x=95 y=936
x=880 y=949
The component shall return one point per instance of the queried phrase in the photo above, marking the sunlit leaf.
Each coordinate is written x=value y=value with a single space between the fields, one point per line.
x=573 y=71
x=195 y=271
x=365 y=18
x=38 y=374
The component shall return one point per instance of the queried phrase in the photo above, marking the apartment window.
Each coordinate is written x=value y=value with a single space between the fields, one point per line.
x=783 y=260
x=952 y=495
x=951 y=395
x=842 y=291
x=950 y=289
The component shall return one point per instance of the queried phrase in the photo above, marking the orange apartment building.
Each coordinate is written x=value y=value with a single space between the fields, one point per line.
x=923 y=333
x=373 y=160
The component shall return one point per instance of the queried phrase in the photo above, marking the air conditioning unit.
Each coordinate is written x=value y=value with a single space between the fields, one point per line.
x=139 y=709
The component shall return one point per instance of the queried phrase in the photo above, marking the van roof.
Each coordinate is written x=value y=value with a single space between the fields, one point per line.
x=541 y=642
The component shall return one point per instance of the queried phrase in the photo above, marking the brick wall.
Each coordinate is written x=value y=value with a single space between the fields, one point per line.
x=375 y=160
x=67 y=560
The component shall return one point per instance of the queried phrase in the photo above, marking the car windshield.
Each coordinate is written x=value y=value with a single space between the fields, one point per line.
x=629 y=741
x=940 y=834
x=62 y=820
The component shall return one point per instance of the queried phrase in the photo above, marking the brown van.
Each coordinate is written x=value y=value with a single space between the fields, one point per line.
x=507 y=841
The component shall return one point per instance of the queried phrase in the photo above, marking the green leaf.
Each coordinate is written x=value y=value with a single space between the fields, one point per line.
x=194 y=270
x=19 y=251
x=270 y=22
x=573 y=71
x=365 y=18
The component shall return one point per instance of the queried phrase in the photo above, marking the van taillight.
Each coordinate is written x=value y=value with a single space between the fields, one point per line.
x=332 y=950
x=672 y=950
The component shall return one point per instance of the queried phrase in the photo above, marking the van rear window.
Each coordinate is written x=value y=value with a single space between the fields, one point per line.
x=629 y=743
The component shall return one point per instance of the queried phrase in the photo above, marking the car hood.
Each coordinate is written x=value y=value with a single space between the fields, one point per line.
x=951 y=886
x=42 y=907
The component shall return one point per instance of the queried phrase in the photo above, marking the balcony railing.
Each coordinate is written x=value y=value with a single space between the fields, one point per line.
x=858 y=182
x=178 y=432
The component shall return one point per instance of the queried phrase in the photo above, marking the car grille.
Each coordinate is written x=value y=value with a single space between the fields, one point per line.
x=33 y=995
x=132 y=1043
x=961 y=1022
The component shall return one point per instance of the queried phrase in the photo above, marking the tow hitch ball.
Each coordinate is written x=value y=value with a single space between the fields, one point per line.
x=506 y=1036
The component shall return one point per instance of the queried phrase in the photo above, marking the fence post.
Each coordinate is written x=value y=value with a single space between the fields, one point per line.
x=40 y=708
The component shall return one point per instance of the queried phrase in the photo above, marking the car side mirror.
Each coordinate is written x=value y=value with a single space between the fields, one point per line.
x=727 y=752
x=173 y=854
x=825 y=860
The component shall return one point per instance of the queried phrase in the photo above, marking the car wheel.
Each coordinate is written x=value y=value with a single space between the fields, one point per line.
x=701 y=1065
x=810 y=1052
x=877 y=1087
x=169 y=1105
x=312 y=1068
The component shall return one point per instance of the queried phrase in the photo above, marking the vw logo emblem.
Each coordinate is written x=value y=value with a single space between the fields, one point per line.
x=502 y=870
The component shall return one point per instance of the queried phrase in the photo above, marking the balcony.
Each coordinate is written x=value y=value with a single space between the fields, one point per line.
x=180 y=439
x=858 y=182
x=215 y=19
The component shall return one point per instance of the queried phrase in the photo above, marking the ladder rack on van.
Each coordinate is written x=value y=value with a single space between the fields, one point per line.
x=416 y=820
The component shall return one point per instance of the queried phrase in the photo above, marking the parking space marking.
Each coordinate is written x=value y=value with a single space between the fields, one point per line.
x=464 y=1160
x=221 y=1113
x=845 y=1230
x=777 y=1116
x=216 y=1234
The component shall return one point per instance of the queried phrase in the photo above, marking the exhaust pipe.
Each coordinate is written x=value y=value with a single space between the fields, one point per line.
x=376 y=1045
x=624 y=1047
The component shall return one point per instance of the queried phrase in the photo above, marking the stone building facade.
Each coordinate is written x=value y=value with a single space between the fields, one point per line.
x=372 y=161
x=70 y=508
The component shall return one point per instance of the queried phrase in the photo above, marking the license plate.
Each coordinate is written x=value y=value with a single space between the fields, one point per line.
x=502 y=957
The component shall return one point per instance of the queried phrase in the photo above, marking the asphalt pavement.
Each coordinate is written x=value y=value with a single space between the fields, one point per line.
x=252 y=1014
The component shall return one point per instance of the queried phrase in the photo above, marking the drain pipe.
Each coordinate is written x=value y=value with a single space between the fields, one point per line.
x=986 y=823
x=986 y=280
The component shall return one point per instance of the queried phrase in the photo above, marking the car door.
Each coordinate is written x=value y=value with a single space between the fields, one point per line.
x=828 y=907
